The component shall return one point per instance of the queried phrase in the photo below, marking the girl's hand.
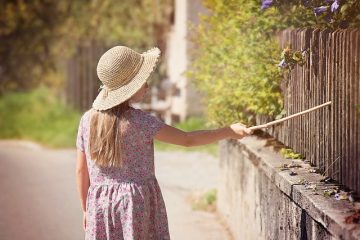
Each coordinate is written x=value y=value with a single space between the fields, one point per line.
x=239 y=130
x=84 y=221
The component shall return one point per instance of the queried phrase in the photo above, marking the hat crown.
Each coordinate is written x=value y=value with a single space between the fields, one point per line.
x=117 y=66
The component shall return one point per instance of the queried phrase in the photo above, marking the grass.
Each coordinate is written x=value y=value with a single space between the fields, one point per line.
x=40 y=116
x=204 y=201
x=193 y=123
x=289 y=153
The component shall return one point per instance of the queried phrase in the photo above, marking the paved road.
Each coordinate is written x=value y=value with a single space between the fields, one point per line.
x=38 y=198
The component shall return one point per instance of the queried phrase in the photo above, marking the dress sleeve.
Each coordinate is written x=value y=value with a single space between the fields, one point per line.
x=80 y=137
x=152 y=124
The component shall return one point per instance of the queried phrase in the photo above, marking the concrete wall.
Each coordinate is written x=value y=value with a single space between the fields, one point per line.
x=257 y=201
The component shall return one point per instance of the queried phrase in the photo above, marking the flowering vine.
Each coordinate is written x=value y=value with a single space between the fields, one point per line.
x=329 y=13
x=290 y=58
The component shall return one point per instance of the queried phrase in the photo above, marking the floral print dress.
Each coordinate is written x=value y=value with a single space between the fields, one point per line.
x=126 y=203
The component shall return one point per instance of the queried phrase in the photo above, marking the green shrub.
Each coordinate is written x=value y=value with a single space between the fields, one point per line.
x=318 y=13
x=205 y=201
x=236 y=53
x=235 y=62
x=38 y=115
x=289 y=153
x=191 y=124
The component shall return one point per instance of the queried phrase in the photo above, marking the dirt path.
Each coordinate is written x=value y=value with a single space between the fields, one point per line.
x=39 y=200
x=180 y=175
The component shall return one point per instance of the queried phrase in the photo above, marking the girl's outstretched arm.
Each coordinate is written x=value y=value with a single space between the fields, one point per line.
x=176 y=136
x=82 y=178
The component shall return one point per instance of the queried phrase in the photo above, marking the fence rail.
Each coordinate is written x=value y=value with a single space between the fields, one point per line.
x=330 y=137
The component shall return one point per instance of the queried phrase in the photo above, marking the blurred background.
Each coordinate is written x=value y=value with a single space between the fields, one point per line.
x=222 y=61
x=48 y=56
x=49 y=53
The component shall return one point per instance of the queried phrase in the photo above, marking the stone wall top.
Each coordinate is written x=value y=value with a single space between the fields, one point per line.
x=326 y=210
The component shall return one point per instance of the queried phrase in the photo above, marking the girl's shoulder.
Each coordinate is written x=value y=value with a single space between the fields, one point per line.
x=141 y=113
x=85 y=117
x=86 y=114
x=138 y=112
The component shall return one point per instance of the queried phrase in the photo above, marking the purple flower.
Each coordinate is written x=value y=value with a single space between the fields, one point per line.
x=320 y=10
x=307 y=3
x=282 y=64
x=335 y=5
x=266 y=4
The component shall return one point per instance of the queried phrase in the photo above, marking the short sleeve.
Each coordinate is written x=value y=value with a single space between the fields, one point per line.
x=152 y=124
x=80 y=136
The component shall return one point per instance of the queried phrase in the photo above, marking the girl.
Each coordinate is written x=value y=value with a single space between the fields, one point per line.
x=119 y=193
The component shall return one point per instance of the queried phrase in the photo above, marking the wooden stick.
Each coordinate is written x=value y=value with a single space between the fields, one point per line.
x=289 y=117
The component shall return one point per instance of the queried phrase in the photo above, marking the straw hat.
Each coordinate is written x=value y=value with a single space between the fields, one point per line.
x=122 y=72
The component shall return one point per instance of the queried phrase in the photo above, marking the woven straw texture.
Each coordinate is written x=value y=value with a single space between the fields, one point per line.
x=122 y=72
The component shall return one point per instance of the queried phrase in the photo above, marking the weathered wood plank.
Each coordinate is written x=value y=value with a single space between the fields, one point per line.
x=330 y=137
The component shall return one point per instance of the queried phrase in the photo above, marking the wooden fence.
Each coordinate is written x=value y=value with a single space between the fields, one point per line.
x=329 y=138
x=82 y=83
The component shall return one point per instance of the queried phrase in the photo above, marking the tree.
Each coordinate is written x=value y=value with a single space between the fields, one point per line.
x=36 y=34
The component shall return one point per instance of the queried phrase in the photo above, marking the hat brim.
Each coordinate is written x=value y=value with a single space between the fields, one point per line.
x=117 y=96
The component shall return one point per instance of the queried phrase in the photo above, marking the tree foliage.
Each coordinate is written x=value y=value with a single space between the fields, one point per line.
x=35 y=35
x=28 y=30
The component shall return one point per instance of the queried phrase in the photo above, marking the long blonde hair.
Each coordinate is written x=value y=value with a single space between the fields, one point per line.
x=106 y=135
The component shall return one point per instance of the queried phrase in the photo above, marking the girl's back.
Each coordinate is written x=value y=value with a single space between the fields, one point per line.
x=126 y=202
